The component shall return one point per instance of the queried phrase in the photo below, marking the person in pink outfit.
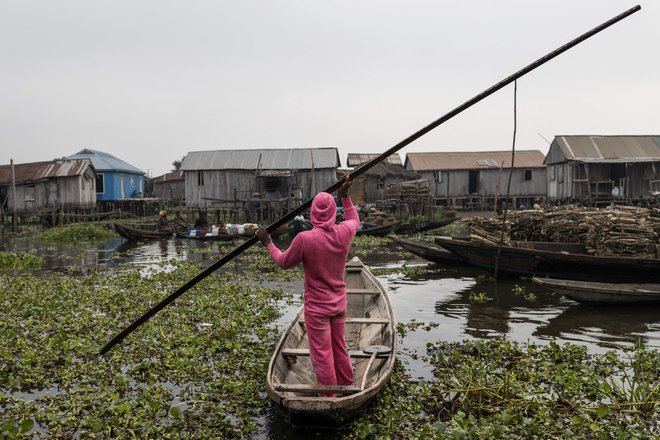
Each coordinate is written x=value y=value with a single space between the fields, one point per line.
x=323 y=251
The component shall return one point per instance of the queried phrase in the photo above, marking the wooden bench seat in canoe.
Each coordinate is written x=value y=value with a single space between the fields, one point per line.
x=305 y=352
x=367 y=321
x=316 y=388
x=362 y=292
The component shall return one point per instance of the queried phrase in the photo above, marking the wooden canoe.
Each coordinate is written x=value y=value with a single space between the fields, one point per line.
x=427 y=251
x=370 y=323
x=554 y=260
x=375 y=230
x=602 y=293
x=415 y=227
x=141 y=232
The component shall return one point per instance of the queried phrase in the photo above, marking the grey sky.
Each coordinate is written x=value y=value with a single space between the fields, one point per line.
x=148 y=81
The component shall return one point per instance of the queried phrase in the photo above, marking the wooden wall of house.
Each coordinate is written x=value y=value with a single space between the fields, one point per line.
x=535 y=187
x=568 y=180
x=171 y=190
x=227 y=185
x=68 y=193
x=456 y=183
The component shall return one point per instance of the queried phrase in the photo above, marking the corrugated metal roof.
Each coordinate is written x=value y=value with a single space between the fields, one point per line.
x=169 y=177
x=471 y=160
x=612 y=148
x=268 y=159
x=357 y=159
x=105 y=161
x=32 y=172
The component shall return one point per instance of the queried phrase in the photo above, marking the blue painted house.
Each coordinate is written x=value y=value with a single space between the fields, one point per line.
x=116 y=179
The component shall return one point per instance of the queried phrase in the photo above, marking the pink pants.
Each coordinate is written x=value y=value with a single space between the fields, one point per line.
x=327 y=349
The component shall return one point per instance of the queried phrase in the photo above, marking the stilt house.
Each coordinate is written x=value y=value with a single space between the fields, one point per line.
x=601 y=169
x=46 y=186
x=170 y=186
x=479 y=180
x=116 y=179
x=278 y=177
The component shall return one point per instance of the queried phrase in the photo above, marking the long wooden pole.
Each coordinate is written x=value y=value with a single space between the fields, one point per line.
x=358 y=172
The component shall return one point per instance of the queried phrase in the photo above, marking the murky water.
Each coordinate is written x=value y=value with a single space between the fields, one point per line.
x=514 y=308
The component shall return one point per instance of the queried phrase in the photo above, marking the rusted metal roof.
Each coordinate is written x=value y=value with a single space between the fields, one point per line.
x=169 y=177
x=357 y=159
x=473 y=160
x=32 y=172
x=268 y=159
x=607 y=148
x=105 y=161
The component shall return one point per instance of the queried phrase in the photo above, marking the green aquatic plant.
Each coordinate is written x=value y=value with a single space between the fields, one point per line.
x=479 y=297
x=12 y=262
x=77 y=232
x=501 y=389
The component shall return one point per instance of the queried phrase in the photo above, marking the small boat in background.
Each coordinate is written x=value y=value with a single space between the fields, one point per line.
x=371 y=340
x=602 y=293
x=376 y=230
x=142 y=232
x=414 y=227
x=427 y=251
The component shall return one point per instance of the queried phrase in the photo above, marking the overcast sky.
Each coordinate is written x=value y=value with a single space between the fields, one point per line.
x=149 y=81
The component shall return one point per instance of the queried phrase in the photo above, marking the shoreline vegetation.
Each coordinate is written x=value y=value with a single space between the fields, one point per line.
x=198 y=368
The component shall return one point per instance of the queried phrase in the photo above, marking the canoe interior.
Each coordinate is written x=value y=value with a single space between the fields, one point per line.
x=370 y=321
x=141 y=232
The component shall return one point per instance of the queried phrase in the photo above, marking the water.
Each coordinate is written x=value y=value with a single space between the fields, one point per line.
x=514 y=308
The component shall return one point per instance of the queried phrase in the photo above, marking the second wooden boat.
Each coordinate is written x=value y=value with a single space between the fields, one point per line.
x=602 y=293
x=371 y=341
x=427 y=251
x=376 y=230
x=141 y=232
x=554 y=260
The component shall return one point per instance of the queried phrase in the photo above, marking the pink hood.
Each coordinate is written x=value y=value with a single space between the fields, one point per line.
x=324 y=211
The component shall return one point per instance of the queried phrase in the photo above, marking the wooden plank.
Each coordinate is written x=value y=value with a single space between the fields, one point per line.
x=361 y=321
x=362 y=292
x=305 y=352
x=317 y=388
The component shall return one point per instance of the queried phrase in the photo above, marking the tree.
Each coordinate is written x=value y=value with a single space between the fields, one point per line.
x=177 y=165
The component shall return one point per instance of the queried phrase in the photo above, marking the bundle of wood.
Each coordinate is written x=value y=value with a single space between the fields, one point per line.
x=488 y=230
x=377 y=217
x=568 y=224
x=414 y=190
x=527 y=225
x=622 y=231
x=653 y=220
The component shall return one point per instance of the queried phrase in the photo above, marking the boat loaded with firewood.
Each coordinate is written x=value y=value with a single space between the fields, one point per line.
x=554 y=260
x=371 y=341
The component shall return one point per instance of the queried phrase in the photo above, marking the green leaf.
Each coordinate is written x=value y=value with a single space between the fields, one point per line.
x=26 y=425
x=602 y=411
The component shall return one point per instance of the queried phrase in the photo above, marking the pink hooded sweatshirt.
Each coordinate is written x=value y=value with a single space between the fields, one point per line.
x=323 y=252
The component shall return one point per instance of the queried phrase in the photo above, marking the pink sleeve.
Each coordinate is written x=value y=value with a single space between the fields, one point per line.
x=288 y=258
x=352 y=219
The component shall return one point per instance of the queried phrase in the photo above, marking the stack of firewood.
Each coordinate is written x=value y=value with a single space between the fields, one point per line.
x=488 y=230
x=527 y=225
x=622 y=231
x=568 y=224
x=412 y=191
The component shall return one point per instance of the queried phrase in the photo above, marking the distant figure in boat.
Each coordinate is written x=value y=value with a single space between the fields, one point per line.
x=179 y=221
x=201 y=221
x=162 y=221
x=323 y=252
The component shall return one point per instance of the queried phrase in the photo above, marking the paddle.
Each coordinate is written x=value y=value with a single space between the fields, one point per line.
x=245 y=245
